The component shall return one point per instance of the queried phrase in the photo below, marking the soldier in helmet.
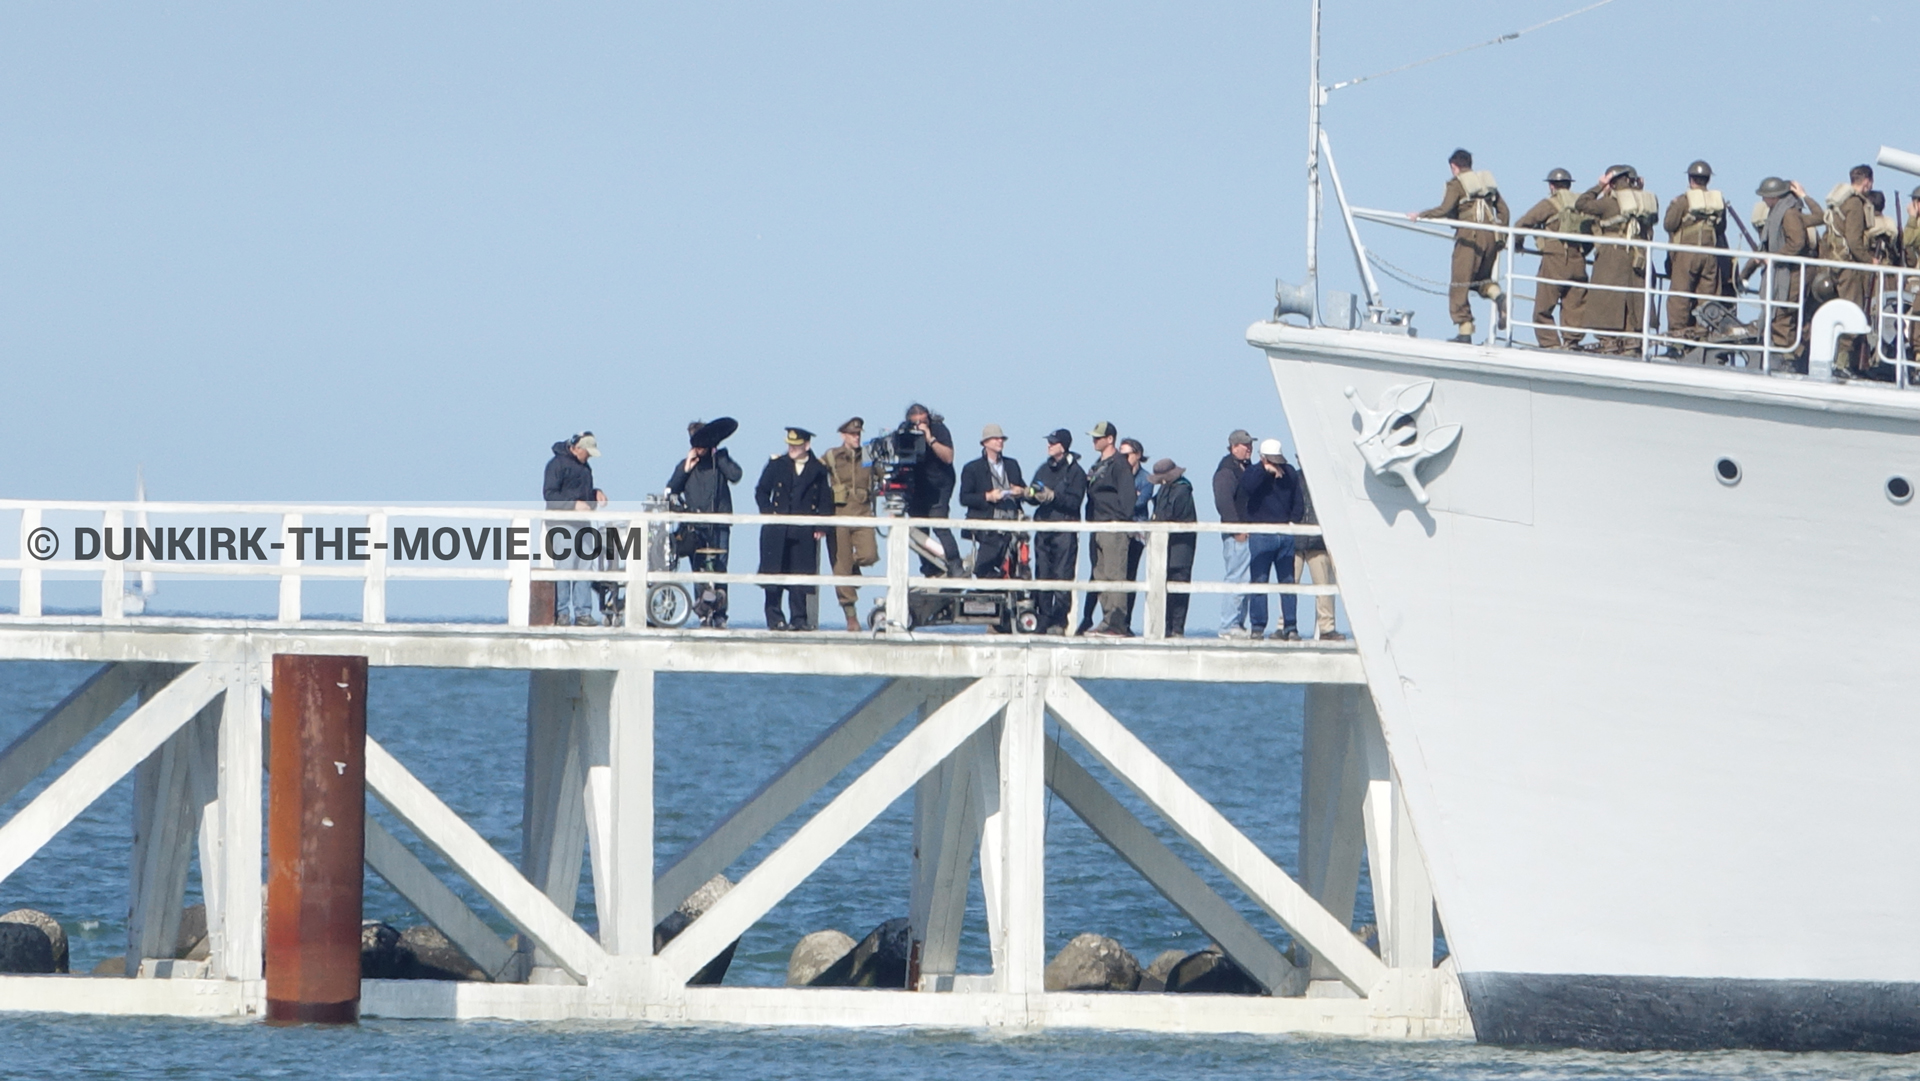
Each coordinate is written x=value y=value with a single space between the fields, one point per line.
x=1849 y=215
x=1471 y=196
x=1620 y=209
x=1560 y=261
x=1786 y=230
x=1697 y=217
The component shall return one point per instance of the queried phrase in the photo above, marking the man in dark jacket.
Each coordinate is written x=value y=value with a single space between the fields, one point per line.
x=1058 y=487
x=1233 y=546
x=1173 y=502
x=1136 y=456
x=703 y=483
x=568 y=485
x=931 y=495
x=990 y=489
x=1110 y=498
x=1270 y=492
x=793 y=483
x=1310 y=558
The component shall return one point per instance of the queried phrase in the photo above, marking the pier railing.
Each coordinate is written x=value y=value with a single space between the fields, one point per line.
x=1893 y=293
x=119 y=543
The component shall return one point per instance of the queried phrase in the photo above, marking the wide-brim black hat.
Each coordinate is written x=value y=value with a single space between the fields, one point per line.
x=713 y=433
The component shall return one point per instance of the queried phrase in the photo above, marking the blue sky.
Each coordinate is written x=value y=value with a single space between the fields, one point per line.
x=393 y=251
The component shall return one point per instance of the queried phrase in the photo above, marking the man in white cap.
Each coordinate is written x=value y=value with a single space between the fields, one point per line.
x=1271 y=491
x=991 y=487
x=569 y=486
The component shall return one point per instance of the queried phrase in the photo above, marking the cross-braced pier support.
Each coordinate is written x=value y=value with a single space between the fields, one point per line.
x=961 y=724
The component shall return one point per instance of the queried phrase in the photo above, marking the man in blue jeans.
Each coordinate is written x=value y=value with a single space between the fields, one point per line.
x=568 y=485
x=1270 y=492
x=1233 y=546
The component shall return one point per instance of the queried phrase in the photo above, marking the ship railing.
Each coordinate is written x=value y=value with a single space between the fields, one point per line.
x=1894 y=297
x=376 y=546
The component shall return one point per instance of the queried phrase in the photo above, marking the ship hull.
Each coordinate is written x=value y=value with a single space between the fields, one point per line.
x=1656 y=730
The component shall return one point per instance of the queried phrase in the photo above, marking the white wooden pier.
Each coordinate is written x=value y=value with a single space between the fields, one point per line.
x=976 y=756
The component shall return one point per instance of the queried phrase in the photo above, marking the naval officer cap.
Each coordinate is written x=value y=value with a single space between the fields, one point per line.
x=797 y=436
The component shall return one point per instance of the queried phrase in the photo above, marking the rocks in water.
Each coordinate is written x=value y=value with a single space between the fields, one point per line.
x=1155 y=977
x=689 y=910
x=25 y=948
x=380 y=957
x=821 y=959
x=432 y=956
x=1211 y=972
x=1093 y=963
x=880 y=960
x=55 y=934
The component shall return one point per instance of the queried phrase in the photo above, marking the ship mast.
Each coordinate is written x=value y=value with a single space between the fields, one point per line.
x=1315 y=95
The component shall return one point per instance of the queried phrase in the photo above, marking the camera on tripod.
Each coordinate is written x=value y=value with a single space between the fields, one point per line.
x=897 y=455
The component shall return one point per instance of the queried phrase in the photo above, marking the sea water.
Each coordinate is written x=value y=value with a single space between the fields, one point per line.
x=717 y=736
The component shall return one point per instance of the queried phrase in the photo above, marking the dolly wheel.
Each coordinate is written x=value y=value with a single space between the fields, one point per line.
x=1027 y=622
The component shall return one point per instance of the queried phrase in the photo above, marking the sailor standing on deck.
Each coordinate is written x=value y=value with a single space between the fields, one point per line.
x=1620 y=210
x=1697 y=217
x=1560 y=261
x=1471 y=196
x=792 y=483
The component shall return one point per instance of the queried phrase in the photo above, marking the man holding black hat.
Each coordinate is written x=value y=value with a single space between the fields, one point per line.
x=931 y=495
x=849 y=548
x=1058 y=487
x=792 y=483
x=702 y=482
x=990 y=489
x=1173 y=502
x=1110 y=498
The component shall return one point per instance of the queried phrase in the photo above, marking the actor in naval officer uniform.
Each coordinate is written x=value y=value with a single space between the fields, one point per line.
x=1471 y=196
x=792 y=483
x=849 y=548
x=1620 y=209
x=1560 y=261
x=1698 y=217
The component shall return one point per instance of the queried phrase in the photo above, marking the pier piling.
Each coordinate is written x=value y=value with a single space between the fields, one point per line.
x=316 y=829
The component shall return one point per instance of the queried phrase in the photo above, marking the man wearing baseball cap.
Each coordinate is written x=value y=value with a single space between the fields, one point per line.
x=1058 y=487
x=1233 y=546
x=1271 y=490
x=1110 y=498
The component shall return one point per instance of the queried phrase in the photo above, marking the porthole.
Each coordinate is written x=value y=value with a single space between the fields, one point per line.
x=1727 y=471
x=1899 y=489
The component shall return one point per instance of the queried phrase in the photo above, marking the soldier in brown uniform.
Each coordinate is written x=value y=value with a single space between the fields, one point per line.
x=1697 y=217
x=1471 y=196
x=1848 y=217
x=1620 y=210
x=1910 y=283
x=1560 y=261
x=849 y=548
x=1786 y=230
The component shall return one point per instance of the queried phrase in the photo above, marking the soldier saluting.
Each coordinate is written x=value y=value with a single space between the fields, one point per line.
x=1561 y=261
x=792 y=483
x=1698 y=217
x=1620 y=209
x=1471 y=196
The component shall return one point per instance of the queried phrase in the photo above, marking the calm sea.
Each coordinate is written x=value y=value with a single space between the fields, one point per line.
x=718 y=736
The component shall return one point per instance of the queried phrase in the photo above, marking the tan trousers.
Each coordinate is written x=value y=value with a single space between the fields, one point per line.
x=1472 y=273
x=1567 y=297
x=1691 y=273
x=851 y=548
x=1320 y=565
x=1110 y=565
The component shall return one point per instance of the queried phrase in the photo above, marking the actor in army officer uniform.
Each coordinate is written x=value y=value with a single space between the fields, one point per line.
x=1471 y=196
x=1560 y=261
x=849 y=548
x=792 y=483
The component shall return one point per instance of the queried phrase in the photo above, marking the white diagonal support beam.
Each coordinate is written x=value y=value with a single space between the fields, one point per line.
x=100 y=768
x=837 y=823
x=1166 y=872
x=520 y=901
x=441 y=906
x=236 y=939
x=66 y=724
x=789 y=790
x=1126 y=757
x=171 y=791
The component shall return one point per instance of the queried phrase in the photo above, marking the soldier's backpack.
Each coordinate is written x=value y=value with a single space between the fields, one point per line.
x=1638 y=211
x=1836 y=242
x=1481 y=190
x=1759 y=216
x=1566 y=219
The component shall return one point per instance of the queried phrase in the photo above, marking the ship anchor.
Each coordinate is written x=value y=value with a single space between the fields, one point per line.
x=1390 y=439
